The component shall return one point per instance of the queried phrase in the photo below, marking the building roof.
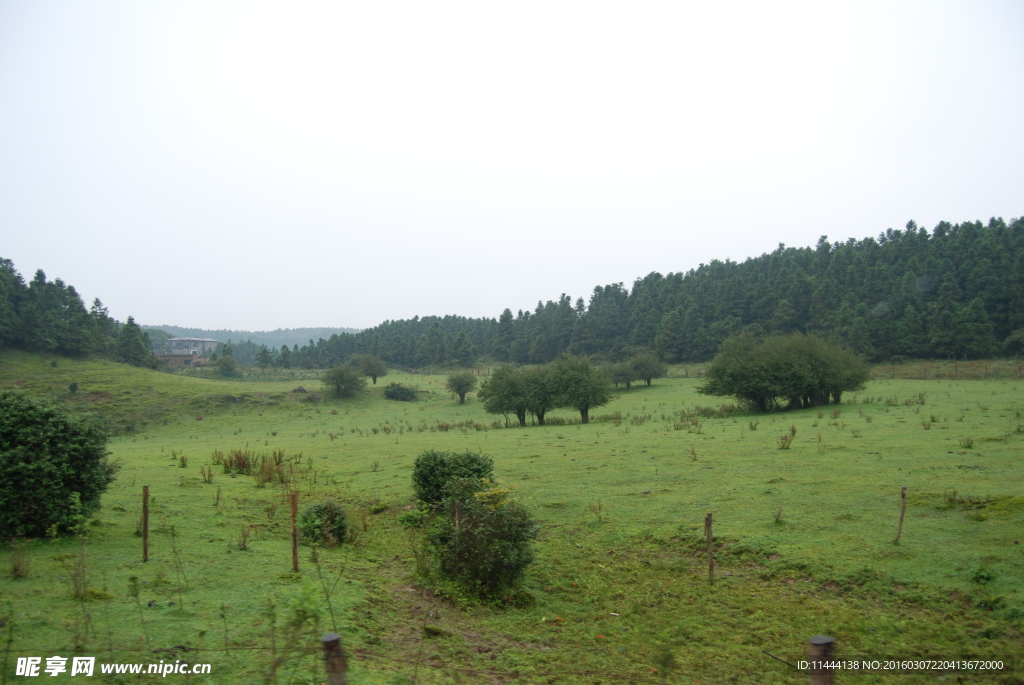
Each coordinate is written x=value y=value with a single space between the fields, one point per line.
x=192 y=340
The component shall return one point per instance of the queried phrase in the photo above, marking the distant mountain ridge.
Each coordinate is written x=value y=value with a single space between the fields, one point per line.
x=275 y=338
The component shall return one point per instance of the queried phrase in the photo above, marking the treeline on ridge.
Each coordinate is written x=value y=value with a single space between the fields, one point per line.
x=954 y=292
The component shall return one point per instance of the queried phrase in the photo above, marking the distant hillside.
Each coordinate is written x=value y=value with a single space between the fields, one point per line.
x=281 y=336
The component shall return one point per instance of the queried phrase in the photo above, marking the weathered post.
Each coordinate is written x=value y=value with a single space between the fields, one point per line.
x=334 y=659
x=819 y=651
x=903 y=510
x=145 y=523
x=295 y=532
x=711 y=549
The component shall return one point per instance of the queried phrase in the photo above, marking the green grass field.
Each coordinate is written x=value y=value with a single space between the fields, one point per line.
x=619 y=590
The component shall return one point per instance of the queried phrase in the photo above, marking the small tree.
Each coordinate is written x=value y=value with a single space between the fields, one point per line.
x=343 y=381
x=372 y=366
x=460 y=383
x=53 y=467
x=646 y=366
x=581 y=386
x=433 y=471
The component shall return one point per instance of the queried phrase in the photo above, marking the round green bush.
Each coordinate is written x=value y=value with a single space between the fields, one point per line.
x=53 y=467
x=397 y=391
x=483 y=541
x=324 y=523
x=434 y=470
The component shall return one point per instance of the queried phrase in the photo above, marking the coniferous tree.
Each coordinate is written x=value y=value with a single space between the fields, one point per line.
x=131 y=349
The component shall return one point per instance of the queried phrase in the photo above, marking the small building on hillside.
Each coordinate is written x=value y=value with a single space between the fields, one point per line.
x=188 y=351
x=179 y=360
x=202 y=347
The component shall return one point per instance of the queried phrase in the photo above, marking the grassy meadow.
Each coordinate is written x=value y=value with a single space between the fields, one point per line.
x=805 y=506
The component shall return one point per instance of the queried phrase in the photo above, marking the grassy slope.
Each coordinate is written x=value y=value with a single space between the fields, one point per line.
x=829 y=567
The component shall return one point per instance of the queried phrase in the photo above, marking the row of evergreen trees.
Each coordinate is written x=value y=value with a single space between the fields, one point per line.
x=49 y=316
x=954 y=292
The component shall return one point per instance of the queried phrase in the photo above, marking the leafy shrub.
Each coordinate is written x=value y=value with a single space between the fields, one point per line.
x=324 y=523
x=434 y=470
x=399 y=392
x=343 y=381
x=53 y=467
x=483 y=539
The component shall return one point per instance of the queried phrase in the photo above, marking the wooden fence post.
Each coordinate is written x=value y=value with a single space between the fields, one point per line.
x=295 y=532
x=145 y=523
x=820 y=648
x=903 y=510
x=334 y=659
x=711 y=549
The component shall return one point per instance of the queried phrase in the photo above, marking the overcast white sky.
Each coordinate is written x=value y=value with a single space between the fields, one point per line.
x=260 y=165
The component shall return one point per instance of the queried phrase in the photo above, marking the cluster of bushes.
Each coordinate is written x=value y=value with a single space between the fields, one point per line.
x=479 y=536
x=643 y=367
x=569 y=382
x=795 y=371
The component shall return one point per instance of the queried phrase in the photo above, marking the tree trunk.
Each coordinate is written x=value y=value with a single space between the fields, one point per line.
x=521 y=415
x=585 y=415
x=462 y=398
x=540 y=417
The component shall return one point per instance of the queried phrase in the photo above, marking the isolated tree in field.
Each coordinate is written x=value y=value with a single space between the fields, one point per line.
x=372 y=366
x=343 y=381
x=460 y=383
x=53 y=467
x=801 y=370
x=263 y=357
x=581 y=386
x=505 y=393
x=646 y=366
x=284 y=359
